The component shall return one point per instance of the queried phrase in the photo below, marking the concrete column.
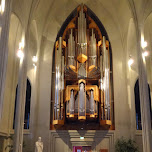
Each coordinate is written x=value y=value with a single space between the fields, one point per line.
x=144 y=94
x=20 y=106
x=151 y=94
x=4 y=34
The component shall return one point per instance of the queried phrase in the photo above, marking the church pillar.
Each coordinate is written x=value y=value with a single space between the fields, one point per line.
x=7 y=144
x=20 y=104
x=5 y=13
x=144 y=94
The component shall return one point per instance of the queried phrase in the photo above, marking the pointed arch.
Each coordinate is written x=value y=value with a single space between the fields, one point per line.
x=137 y=105
x=27 y=105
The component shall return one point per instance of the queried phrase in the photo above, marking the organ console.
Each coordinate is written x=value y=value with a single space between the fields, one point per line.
x=83 y=82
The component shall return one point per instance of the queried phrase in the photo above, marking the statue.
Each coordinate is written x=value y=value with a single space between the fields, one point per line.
x=39 y=145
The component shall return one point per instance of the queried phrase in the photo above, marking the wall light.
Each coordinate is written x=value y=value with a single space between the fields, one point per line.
x=21 y=45
x=146 y=53
x=81 y=138
x=20 y=54
x=144 y=44
x=2 y=6
x=34 y=59
x=130 y=62
x=34 y=64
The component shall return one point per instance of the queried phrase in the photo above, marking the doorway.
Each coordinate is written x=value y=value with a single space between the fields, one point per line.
x=82 y=149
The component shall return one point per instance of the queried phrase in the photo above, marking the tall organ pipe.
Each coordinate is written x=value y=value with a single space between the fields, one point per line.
x=62 y=72
x=92 y=53
x=106 y=80
x=58 y=79
x=101 y=70
x=71 y=50
x=101 y=86
x=56 y=69
x=92 y=103
x=62 y=85
x=82 y=106
x=72 y=104
x=82 y=32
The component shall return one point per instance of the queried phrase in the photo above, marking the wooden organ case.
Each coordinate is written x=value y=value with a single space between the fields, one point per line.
x=82 y=77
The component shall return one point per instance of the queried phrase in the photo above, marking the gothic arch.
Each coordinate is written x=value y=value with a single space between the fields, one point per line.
x=137 y=105
x=82 y=55
x=27 y=105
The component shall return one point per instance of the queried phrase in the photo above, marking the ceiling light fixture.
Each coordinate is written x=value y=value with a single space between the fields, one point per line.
x=131 y=61
x=146 y=53
x=144 y=44
x=34 y=59
x=20 y=54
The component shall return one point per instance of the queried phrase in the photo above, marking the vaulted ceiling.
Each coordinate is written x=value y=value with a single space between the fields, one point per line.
x=49 y=15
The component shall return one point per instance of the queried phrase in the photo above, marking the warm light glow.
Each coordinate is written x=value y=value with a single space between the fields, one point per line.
x=102 y=84
x=145 y=54
x=20 y=54
x=81 y=138
x=130 y=62
x=2 y=6
x=144 y=44
x=21 y=45
x=34 y=59
x=34 y=64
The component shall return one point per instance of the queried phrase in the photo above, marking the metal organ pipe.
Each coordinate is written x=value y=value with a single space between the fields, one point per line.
x=82 y=99
x=92 y=104
x=92 y=53
x=101 y=70
x=62 y=77
x=62 y=85
x=72 y=103
x=55 y=105
x=82 y=40
x=106 y=80
x=101 y=86
x=58 y=85
x=71 y=50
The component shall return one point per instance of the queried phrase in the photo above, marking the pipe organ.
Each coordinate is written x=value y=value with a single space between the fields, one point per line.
x=83 y=75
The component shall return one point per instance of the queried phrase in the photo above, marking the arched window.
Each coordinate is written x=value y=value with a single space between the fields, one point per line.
x=137 y=105
x=27 y=105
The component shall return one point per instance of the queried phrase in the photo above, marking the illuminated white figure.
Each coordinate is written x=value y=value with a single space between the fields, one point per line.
x=39 y=145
